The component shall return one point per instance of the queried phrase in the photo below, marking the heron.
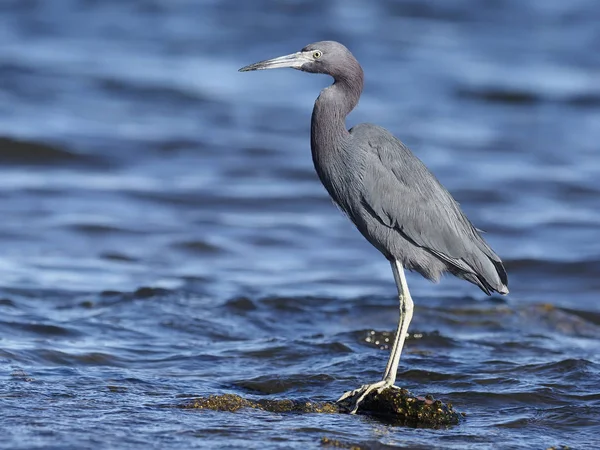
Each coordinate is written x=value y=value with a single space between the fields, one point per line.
x=394 y=201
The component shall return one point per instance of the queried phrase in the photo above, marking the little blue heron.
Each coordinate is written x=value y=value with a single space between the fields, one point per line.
x=388 y=193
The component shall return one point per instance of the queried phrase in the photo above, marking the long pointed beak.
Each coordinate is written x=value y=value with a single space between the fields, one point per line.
x=295 y=60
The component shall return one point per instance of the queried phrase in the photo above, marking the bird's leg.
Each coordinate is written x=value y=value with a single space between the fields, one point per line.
x=406 y=312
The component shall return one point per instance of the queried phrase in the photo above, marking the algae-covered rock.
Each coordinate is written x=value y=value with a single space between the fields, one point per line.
x=232 y=402
x=400 y=407
x=394 y=405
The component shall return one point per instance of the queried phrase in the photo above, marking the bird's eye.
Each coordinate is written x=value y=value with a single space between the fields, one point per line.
x=317 y=54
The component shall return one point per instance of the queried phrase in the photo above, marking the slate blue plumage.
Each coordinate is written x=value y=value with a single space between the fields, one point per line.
x=388 y=193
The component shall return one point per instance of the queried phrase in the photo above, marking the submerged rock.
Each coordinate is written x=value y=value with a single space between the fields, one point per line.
x=336 y=443
x=232 y=402
x=394 y=405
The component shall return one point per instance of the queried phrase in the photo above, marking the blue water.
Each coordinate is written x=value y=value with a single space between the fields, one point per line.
x=164 y=235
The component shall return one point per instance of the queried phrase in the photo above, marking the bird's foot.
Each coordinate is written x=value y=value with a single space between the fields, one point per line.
x=360 y=393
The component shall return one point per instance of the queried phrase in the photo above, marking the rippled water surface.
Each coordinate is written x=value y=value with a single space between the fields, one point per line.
x=164 y=236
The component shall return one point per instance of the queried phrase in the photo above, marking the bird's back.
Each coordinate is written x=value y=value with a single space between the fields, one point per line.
x=402 y=209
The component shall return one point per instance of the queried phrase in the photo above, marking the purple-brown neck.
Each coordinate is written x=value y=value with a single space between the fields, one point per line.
x=328 y=124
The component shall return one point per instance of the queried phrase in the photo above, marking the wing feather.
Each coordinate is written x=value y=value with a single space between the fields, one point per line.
x=402 y=194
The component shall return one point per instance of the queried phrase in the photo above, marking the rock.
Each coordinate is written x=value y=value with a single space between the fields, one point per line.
x=393 y=405
x=398 y=406
x=232 y=402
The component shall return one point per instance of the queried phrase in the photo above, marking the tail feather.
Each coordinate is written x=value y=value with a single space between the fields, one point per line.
x=484 y=269
x=492 y=275
x=502 y=274
x=478 y=281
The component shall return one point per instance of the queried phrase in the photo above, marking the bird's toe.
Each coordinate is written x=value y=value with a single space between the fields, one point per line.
x=358 y=395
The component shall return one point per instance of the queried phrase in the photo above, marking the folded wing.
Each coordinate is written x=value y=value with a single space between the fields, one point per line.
x=402 y=194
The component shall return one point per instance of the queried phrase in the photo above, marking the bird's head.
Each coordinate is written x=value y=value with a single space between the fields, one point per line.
x=328 y=57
